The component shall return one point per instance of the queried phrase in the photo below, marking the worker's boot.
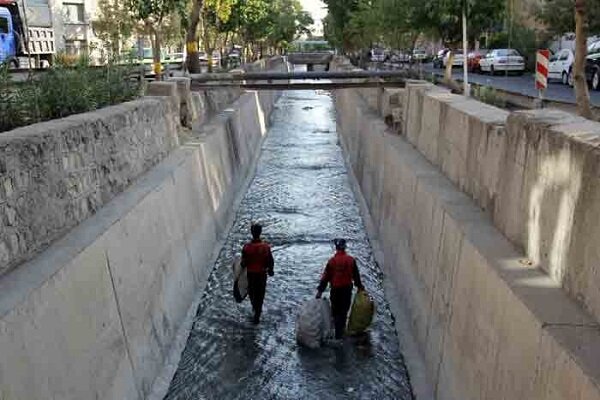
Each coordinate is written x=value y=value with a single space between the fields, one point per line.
x=256 y=319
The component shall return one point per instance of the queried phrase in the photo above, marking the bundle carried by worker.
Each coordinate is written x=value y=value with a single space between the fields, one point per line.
x=240 y=281
x=361 y=314
x=314 y=325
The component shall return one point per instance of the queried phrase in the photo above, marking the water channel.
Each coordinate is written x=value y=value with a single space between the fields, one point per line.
x=302 y=196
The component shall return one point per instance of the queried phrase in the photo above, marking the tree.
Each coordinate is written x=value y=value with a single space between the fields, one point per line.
x=582 y=95
x=557 y=16
x=253 y=20
x=153 y=13
x=365 y=25
x=286 y=21
x=192 y=61
x=443 y=19
x=115 y=23
x=336 y=23
x=215 y=14
x=560 y=16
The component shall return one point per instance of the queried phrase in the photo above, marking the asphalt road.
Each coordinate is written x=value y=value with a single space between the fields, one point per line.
x=524 y=84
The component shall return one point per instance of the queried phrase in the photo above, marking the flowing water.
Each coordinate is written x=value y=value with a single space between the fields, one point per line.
x=302 y=196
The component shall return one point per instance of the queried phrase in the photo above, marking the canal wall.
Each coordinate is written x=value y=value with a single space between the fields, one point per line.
x=486 y=227
x=95 y=314
x=55 y=174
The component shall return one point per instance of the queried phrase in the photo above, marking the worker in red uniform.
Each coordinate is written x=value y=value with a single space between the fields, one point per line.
x=258 y=261
x=340 y=272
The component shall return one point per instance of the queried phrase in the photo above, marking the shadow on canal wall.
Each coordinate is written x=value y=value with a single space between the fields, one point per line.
x=487 y=230
x=95 y=314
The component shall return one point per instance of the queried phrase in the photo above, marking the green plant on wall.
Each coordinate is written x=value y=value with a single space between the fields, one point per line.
x=489 y=95
x=63 y=91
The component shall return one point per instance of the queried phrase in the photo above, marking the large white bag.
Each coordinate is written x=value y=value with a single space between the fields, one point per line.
x=240 y=281
x=314 y=324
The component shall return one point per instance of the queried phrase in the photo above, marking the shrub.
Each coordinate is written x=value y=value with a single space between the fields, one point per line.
x=70 y=60
x=63 y=91
x=488 y=95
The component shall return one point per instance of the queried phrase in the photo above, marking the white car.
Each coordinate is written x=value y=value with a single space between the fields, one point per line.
x=458 y=59
x=502 y=60
x=561 y=66
x=419 y=55
x=377 y=55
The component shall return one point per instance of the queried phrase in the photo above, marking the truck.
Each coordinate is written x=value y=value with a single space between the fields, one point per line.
x=26 y=33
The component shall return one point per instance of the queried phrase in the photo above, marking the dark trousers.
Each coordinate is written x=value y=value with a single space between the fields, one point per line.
x=340 y=304
x=257 y=284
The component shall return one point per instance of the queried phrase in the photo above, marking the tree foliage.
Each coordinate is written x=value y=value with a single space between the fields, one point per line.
x=154 y=16
x=115 y=23
x=558 y=17
x=336 y=22
x=352 y=24
x=264 y=23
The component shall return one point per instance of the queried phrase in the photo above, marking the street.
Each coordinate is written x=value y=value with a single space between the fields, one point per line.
x=524 y=84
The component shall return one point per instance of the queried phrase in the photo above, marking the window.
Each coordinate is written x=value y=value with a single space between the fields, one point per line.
x=75 y=47
x=3 y=25
x=73 y=13
x=564 y=55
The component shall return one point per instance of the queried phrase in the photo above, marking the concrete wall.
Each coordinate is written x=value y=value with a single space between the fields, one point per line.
x=535 y=173
x=489 y=324
x=55 y=174
x=95 y=314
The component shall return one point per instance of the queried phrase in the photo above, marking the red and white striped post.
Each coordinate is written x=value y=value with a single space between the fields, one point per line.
x=542 y=61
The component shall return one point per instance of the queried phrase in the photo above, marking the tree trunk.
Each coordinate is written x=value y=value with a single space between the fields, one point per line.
x=192 y=61
x=156 y=66
x=582 y=94
x=451 y=83
x=448 y=71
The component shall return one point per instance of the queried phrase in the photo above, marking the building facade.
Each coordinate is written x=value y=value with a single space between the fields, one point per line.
x=73 y=26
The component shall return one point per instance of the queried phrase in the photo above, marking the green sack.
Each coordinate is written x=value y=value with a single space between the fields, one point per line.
x=361 y=314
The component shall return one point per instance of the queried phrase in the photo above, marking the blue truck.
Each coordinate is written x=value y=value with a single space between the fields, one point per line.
x=26 y=33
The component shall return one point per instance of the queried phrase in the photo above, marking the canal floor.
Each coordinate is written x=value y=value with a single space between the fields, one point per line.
x=302 y=195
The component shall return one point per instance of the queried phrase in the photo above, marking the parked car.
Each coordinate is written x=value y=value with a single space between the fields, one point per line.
x=473 y=59
x=561 y=66
x=438 y=60
x=399 y=57
x=174 y=60
x=377 y=55
x=419 y=55
x=234 y=58
x=592 y=66
x=216 y=58
x=457 y=61
x=203 y=58
x=144 y=57
x=508 y=60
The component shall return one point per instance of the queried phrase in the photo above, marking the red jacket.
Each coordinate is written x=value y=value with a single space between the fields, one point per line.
x=257 y=257
x=340 y=271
